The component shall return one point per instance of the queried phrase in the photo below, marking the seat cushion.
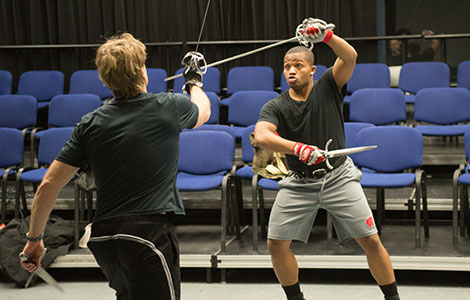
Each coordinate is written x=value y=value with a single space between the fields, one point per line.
x=238 y=130
x=2 y=171
x=225 y=101
x=43 y=104
x=442 y=130
x=375 y=180
x=245 y=172
x=410 y=99
x=464 y=178
x=192 y=182
x=35 y=175
x=268 y=184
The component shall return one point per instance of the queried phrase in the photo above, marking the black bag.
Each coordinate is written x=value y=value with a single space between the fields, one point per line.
x=58 y=237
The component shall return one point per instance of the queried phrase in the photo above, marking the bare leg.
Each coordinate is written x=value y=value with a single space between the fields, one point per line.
x=378 y=259
x=284 y=262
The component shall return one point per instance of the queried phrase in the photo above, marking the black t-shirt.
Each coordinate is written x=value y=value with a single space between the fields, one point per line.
x=132 y=148
x=312 y=122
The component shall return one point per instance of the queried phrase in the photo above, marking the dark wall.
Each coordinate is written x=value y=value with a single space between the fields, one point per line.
x=443 y=17
x=25 y=22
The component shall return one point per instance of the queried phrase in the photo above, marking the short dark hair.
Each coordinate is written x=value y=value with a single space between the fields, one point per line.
x=305 y=51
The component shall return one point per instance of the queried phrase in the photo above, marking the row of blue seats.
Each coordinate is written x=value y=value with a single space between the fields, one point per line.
x=214 y=153
x=413 y=76
x=437 y=111
x=379 y=106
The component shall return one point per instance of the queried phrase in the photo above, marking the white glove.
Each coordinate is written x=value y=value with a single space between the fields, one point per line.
x=316 y=31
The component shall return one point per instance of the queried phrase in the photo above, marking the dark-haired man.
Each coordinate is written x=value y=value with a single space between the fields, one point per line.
x=305 y=117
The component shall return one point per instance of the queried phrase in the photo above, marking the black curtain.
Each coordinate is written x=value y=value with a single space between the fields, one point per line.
x=26 y=22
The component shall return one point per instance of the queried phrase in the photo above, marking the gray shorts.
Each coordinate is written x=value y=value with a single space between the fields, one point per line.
x=339 y=192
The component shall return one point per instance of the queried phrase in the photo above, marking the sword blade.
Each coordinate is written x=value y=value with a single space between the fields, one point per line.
x=28 y=282
x=48 y=278
x=239 y=56
x=346 y=151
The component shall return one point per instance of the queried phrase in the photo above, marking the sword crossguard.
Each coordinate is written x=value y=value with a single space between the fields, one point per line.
x=325 y=154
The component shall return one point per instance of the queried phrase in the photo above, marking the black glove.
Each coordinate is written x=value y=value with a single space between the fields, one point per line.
x=192 y=76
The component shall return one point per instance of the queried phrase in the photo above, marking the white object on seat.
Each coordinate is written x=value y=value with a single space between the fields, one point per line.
x=394 y=75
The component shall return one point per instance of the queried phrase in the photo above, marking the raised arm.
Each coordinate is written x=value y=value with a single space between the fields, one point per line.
x=344 y=65
x=202 y=102
x=346 y=61
x=193 y=85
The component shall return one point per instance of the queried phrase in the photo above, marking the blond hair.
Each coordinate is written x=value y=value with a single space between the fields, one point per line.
x=119 y=62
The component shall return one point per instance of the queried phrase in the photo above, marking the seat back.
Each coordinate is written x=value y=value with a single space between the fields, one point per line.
x=443 y=106
x=157 y=83
x=467 y=144
x=18 y=111
x=11 y=147
x=205 y=152
x=51 y=143
x=43 y=85
x=249 y=79
x=6 y=80
x=215 y=109
x=318 y=73
x=210 y=81
x=398 y=148
x=245 y=106
x=88 y=82
x=351 y=129
x=419 y=75
x=247 y=149
x=463 y=74
x=68 y=110
x=377 y=106
x=375 y=75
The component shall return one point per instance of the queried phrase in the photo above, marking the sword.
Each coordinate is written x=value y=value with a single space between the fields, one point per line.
x=299 y=36
x=41 y=272
x=341 y=152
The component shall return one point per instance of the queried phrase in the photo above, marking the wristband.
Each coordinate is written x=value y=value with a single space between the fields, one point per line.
x=328 y=36
x=36 y=239
x=296 y=149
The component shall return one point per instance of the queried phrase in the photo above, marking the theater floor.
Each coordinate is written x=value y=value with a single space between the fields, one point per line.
x=437 y=270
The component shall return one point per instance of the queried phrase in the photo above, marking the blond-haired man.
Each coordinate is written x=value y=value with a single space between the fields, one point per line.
x=131 y=145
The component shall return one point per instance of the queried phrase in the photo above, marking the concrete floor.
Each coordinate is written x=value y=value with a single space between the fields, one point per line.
x=238 y=291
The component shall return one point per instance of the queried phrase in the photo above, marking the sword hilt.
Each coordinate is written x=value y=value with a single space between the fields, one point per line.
x=25 y=258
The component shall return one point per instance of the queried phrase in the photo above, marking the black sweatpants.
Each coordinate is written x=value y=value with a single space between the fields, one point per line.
x=139 y=256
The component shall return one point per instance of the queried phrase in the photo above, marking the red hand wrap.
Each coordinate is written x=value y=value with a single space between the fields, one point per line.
x=328 y=36
x=302 y=151
x=296 y=149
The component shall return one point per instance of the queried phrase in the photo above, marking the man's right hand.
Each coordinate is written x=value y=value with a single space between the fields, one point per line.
x=310 y=155
x=193 y=63
x=192 y=76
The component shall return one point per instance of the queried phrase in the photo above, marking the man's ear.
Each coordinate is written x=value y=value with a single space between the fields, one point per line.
x=313 y=69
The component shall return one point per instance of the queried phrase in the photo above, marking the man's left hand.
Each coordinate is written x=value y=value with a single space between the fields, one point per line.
x=35 y=251
x=317 y=32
